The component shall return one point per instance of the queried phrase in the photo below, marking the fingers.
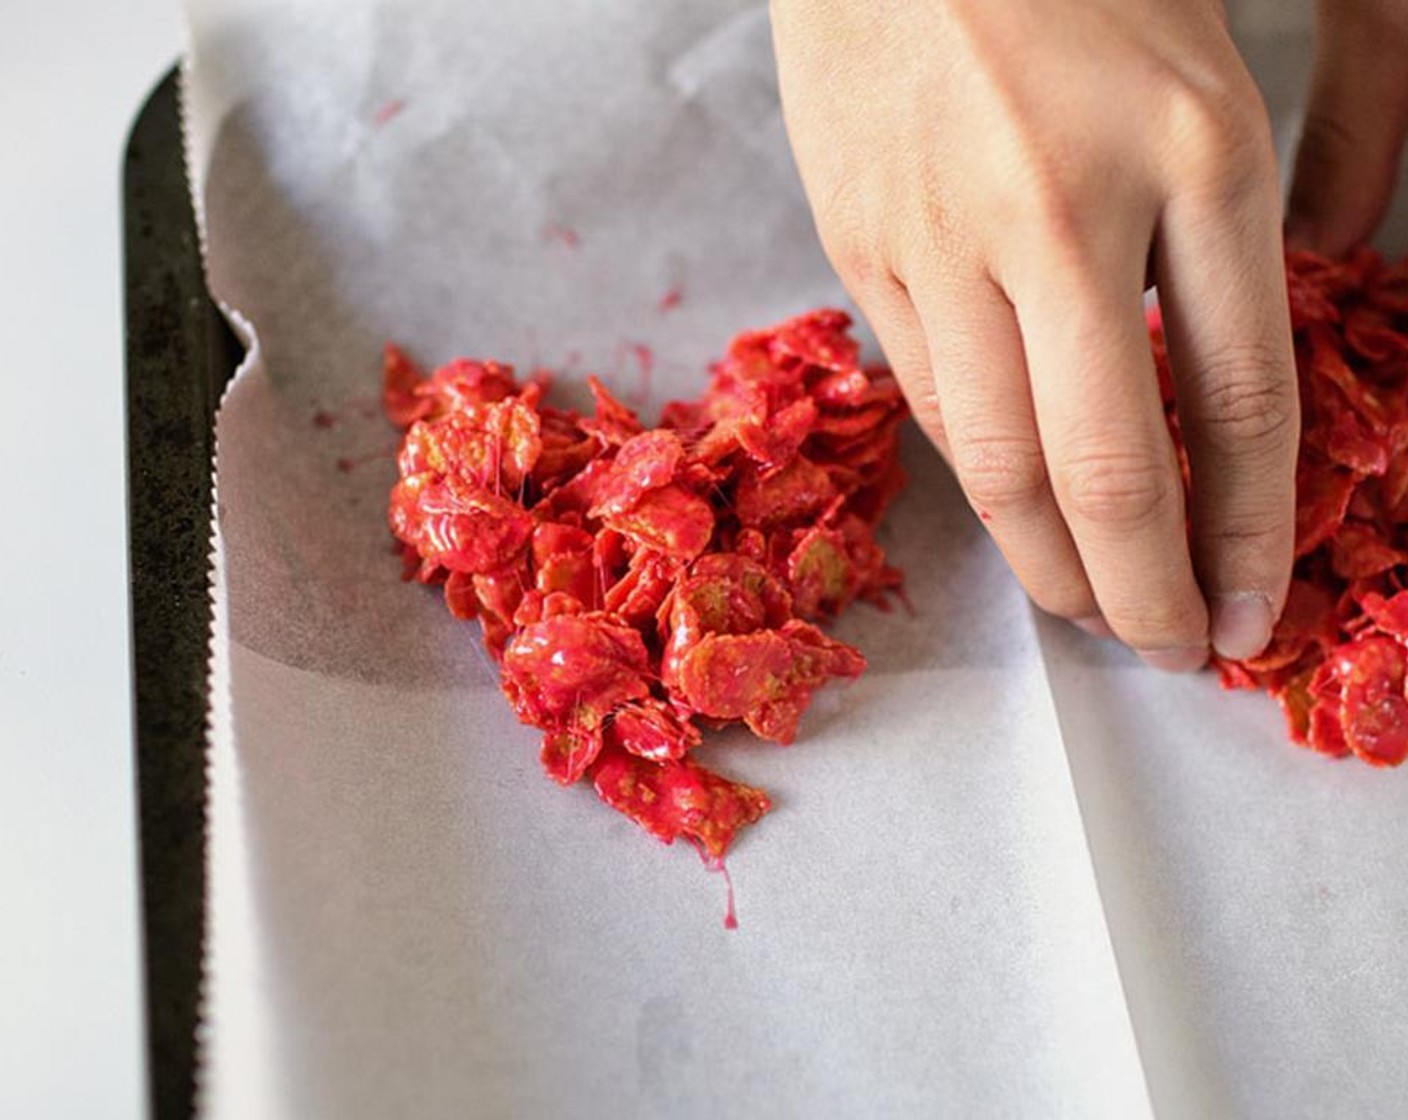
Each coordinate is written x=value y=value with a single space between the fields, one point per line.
x=1112 y=463
x=1222 y=292
x=1354 y=127
x=888 y=310
x=980 y=374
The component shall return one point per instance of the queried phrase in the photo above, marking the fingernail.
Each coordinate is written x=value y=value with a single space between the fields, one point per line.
x=1178 y=659
x=1095 y=626
x=1241 y=624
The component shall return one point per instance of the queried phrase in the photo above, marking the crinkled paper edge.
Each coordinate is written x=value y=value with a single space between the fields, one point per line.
x=219 y=763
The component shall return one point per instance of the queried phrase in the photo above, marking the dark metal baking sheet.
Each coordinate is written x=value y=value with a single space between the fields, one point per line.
x=180 y=356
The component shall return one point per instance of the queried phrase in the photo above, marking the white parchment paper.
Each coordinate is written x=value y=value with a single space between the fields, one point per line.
x=406 y=918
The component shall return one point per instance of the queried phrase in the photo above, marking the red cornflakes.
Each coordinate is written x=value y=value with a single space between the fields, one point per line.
x=633 y=581
x=1339 y=654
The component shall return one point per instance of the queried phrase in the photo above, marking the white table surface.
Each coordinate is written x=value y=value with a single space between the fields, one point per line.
x=72 y=75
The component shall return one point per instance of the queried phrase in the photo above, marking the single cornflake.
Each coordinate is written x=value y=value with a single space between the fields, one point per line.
x=679 y=798
x=631 y=581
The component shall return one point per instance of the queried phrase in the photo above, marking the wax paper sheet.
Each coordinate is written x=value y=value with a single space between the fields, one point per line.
x=407 y=918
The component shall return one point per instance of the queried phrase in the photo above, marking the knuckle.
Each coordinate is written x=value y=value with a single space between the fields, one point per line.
x=1052 y=178
x=1001 y=474
x=1248 y=400
x=1051 y=200
x=1069 y=226
x=853 y=262
x=1222 y=134
x=1057 y=203
x=841 y=227
x=1053 y=212
x=1117 y=490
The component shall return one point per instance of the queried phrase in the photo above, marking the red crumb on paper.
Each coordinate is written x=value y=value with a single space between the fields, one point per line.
x=348 y=463
x=1338 y=656
x=645 y=366
x=730 y=910
x=388 y=112
x=670 y=300
x=565 y=235
x=324 y=419
x=639 y=585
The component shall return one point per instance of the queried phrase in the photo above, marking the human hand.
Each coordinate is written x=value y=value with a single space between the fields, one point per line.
x=995 y=184
x=1354 y=126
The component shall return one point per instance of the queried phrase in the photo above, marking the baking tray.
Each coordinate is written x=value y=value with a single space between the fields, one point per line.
x=180 y=356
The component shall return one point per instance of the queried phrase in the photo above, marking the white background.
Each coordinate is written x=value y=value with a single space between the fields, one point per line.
x=72 y=77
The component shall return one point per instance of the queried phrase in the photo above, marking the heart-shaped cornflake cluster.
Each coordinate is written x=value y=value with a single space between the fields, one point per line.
x=636 y=583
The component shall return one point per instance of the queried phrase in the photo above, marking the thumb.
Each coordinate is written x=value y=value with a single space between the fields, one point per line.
x=1354 y=126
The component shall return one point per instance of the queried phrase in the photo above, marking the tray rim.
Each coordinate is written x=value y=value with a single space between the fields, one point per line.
x=180 y=354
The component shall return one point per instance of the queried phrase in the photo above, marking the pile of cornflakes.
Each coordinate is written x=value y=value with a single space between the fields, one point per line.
x=636 y=584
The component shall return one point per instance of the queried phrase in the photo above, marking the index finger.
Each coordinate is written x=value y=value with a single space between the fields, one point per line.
x=1111 y=457
x=1222 y=287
